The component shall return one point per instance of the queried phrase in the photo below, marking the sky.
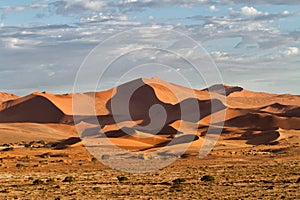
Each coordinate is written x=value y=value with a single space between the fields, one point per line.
x=254 y=44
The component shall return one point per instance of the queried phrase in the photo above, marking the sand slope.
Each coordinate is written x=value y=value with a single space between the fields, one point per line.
x=159 y=109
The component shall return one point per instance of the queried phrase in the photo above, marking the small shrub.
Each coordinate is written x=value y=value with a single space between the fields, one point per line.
x=8 y=149
x=69 y=179
x=42 y=142
x=298 y=180
x=46 y=155
x=50 y=180
x=207 y=178
x=178 y=180
x=94 y=159
x=97 y=189
x=141 y=156
x=38 y=182
x=122 y=178
x=19 y=165
x=57 y=198
x=104 y=157
x=27 y=145
x=176 y=187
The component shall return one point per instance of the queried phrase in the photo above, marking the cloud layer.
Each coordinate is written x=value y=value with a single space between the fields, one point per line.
x=247 y=42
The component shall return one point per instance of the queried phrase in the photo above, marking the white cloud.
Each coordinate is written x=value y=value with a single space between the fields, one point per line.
x=88 y=5
x=213 y=8
x=285 y=12
x=11 y=43
x=218 y=55
x=77 y=7
x=250 y=11
x=291 y=51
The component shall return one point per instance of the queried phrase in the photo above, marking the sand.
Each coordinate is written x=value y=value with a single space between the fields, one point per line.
x=258 y=146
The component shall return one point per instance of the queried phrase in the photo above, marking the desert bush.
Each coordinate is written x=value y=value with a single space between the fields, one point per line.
x=178 y=180
x=38 y=182
x=27 y=145
x=94 y=159
x=122 y=178
x=97 y=189
x=207 y=178
x=69 y=179
x=19 y=165
x=46 y=155
x=141 y=156
x=298 y=180
x=41 y=142
x=176 y=187
x=50 y=180
x=8 y=149
x=105 y=157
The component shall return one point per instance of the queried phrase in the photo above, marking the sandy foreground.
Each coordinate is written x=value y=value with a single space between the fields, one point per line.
x=253 y=172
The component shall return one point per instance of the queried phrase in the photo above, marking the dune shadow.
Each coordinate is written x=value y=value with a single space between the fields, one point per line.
x=68 y=142
x=188 y=138
x=264 y=137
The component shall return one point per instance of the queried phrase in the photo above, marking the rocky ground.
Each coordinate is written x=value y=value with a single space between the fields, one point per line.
x=257 y=172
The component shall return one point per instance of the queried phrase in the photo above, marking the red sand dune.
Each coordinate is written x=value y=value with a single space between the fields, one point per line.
x=173 y=109
x=6 y=97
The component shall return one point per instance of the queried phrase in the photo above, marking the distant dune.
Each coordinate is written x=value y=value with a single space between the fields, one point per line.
x=123 y=113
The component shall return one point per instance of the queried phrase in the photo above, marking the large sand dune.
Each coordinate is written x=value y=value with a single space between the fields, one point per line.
x=150 y=113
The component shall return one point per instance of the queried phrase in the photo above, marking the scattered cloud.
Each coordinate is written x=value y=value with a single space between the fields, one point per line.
x=250 y=11
x=213 y=8
x=291 y=51
x=80 y=25
x=217 y=55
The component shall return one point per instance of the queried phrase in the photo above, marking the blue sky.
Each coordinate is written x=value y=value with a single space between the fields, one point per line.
x=43 y=43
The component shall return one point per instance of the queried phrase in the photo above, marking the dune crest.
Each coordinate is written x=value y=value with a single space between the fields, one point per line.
x=145 y=108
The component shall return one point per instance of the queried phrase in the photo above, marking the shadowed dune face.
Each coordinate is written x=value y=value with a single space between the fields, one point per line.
x=139 y=101
x=36 y=109
x=154 y=108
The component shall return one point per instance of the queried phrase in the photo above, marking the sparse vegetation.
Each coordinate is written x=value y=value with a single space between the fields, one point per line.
x=46 y=155
x=50 y=180
x=41 y=178
x=97 y=189
x=38 y=182
x=176 y=187
x=8 y=149
x=94 y=159
x=69 y=179
x=122 y=178
x=141 y=156
x=19 y=165
x=105 y=157
x=207 y=178
x=178 y=180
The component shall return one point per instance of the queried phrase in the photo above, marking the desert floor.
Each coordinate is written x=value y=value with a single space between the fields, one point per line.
x=252 y=172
